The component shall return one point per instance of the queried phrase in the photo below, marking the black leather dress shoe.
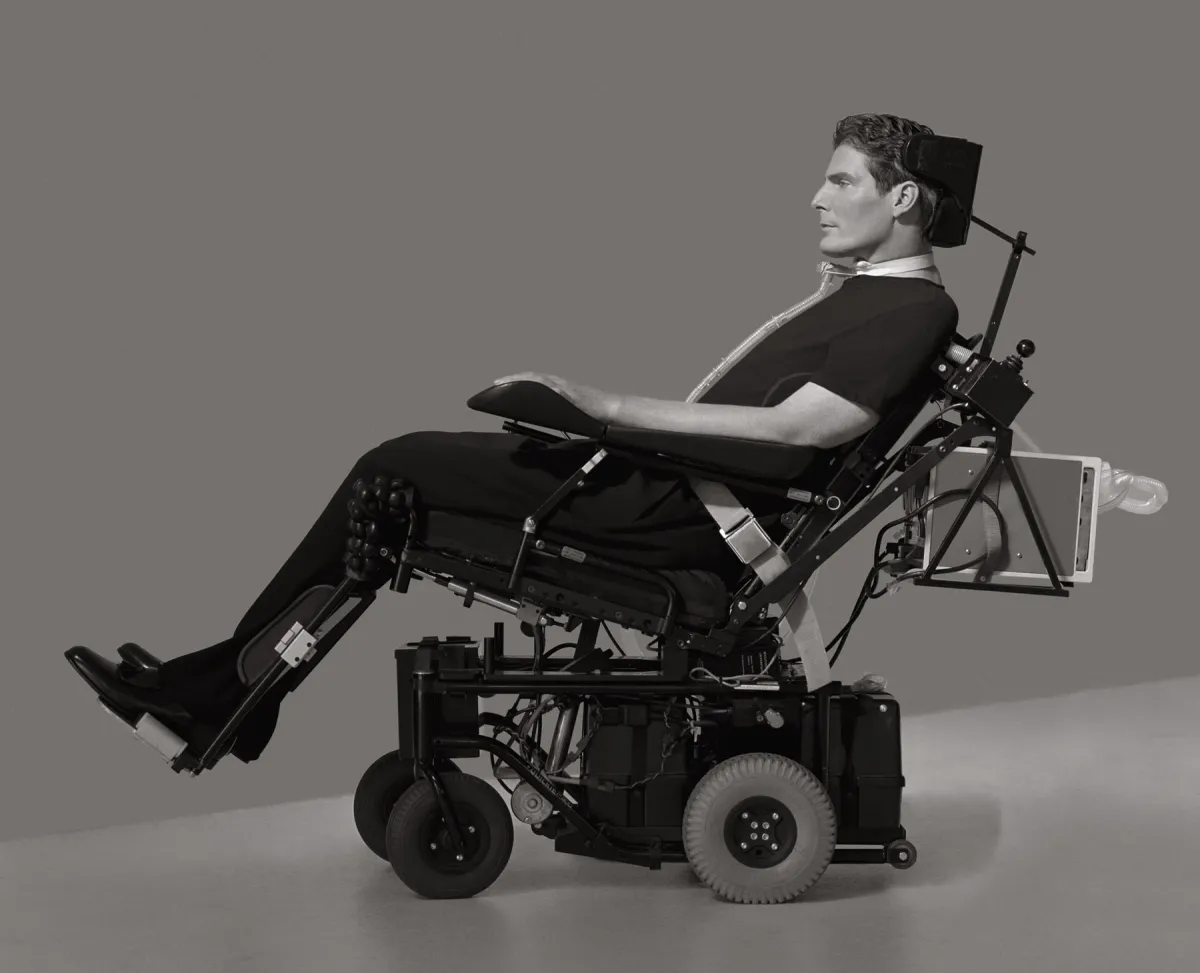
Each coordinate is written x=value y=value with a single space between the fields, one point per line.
x=121 y=693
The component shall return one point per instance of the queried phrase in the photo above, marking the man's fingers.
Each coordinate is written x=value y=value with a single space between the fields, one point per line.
x=522 y=377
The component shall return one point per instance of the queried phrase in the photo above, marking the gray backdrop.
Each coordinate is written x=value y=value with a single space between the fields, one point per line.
x=243 y=244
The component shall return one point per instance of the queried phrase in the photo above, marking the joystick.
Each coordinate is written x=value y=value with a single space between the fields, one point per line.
x=1025 y=349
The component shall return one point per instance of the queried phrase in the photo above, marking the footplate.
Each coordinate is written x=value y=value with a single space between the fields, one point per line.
x=152 y=732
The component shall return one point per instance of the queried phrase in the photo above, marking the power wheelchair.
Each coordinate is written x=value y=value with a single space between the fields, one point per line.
x=708 y=747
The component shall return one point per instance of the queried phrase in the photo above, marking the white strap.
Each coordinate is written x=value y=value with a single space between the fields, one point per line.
x=800 y=627
x=742 y=532
x=746 y=537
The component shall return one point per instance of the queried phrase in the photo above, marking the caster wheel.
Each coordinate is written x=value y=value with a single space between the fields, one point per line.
x=419 y=845
x=377 y=793
x=901 y=854
x=759 y=828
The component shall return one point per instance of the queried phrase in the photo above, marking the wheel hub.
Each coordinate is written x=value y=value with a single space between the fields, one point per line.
x=760 y=832
x=437 y=848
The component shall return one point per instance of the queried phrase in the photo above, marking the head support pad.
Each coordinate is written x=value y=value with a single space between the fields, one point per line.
x=953 y=164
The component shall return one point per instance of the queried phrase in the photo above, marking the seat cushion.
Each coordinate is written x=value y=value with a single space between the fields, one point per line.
x=700 y=595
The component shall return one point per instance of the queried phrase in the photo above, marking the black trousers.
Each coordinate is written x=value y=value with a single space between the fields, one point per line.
x=623 y=512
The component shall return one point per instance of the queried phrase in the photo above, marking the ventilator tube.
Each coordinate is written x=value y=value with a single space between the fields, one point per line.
x=1129 y=491
x=1120 y=488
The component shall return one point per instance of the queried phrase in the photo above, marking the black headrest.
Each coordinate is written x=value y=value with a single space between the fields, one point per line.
x=953 y=164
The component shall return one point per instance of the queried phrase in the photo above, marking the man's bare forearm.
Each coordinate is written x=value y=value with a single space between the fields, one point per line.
x=706 y=419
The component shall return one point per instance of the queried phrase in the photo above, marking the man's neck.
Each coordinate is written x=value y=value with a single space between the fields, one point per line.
x=896 y=249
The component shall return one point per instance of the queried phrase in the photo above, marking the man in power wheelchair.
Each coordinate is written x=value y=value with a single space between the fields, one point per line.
x=726 y=743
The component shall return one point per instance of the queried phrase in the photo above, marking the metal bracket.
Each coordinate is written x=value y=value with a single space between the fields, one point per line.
x=529 y=613
x=297 y=645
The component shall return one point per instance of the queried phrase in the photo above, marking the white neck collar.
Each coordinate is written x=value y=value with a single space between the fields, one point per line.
x=922 y=266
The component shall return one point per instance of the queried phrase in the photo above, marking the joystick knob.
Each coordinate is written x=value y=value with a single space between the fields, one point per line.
x=1024 y=350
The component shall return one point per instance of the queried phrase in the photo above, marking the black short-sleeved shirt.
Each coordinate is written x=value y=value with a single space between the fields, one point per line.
x=867 y=342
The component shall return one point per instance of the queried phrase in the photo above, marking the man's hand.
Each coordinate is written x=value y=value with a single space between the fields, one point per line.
x=601 y=406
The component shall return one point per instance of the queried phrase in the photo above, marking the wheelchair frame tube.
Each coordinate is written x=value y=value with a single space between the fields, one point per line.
x=1010 y=274
x=558 y=551
x=550 y=503
x=587 y=683
x=424 y=750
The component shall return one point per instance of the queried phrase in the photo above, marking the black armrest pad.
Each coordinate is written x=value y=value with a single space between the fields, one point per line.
x=536 y=405
x=539 y=405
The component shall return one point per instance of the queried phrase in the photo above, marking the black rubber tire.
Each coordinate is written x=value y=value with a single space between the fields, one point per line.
x=380 y=787
x=432 y=872
x=759 y=777
x=901 y=854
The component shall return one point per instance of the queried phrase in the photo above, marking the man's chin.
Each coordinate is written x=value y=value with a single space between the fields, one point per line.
x=837 y=254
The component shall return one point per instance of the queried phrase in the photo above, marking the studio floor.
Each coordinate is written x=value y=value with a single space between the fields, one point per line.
x=1052 y=834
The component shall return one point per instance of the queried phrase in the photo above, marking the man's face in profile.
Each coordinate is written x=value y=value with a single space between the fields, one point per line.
x=859 y=218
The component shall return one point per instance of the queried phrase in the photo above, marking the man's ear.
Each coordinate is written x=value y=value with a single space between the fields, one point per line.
x=905 y=198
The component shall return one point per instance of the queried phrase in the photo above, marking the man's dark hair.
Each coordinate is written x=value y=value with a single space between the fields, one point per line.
x=881 y=139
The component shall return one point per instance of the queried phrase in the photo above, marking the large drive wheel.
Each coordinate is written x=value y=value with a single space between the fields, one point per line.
x=419 y=846
x=759 y=828
x=378 y=790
